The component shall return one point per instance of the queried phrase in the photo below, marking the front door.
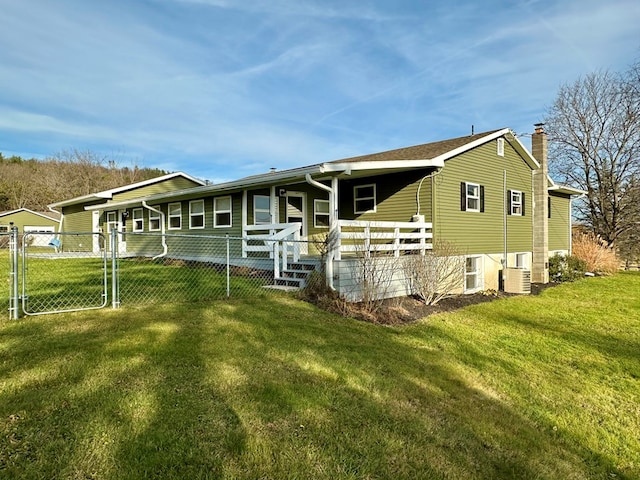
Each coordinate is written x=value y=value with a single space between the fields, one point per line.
x=114 y=222
x=297 y=212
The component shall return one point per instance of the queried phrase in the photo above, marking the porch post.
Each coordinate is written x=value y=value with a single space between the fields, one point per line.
x=244 y=223
x=273 y=205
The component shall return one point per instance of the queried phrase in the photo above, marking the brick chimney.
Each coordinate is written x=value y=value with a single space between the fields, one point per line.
x=540 y=261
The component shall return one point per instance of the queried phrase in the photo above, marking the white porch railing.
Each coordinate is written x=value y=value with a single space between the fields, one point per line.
x=356 y=236
x=279 y=240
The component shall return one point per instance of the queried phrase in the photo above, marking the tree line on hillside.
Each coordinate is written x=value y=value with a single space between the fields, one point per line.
x=34 y=184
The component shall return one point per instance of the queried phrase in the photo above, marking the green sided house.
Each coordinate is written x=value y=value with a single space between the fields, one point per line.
x=76 y=214
x=39 y=227
x=486 y=194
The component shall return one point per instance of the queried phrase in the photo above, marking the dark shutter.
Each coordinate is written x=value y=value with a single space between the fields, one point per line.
x=523 y=202
x=508 y=202
x=463 y=196
x=548 y=207
x=482 y=198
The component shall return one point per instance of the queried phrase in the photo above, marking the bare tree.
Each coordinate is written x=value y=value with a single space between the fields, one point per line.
x=437 y=274
x=594 y=133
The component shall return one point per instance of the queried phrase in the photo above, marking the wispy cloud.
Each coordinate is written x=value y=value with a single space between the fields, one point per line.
x=224 y=88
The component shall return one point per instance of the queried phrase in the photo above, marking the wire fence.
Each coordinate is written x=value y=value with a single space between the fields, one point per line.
x=70 y=271
x=155 y=268
x=5 y=271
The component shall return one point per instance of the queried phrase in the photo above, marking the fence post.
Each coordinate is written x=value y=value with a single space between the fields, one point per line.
x=115 y=274
x=14 y=297
x=228 y=269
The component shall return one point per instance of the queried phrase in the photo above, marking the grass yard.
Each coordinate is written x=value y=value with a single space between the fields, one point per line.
x=544 y=387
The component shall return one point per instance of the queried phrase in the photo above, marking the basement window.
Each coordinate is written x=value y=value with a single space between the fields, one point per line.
x=522 y=260
x=472 y=274
x=138 y=220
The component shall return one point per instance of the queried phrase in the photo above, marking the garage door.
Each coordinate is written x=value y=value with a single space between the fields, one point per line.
x=39 y=236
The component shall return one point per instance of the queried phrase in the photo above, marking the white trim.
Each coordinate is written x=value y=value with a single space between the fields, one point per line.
x=170 y=216
x=262 y=210
x=468 y=197
x=193 y=215
x=477 y=273
x=18 y=210
x=157 y=216
x=357 y=199
x=217 y=211
x=317 y=201
x=514 y=204
x=108 y=194
x=135 y=219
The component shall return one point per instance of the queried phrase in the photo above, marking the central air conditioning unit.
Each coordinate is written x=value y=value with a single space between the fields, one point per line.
x=517 y=280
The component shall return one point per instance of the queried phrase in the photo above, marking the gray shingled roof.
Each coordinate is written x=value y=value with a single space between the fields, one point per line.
x=425 y=151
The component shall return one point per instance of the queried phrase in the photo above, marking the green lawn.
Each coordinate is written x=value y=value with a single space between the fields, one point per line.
x=544 y=387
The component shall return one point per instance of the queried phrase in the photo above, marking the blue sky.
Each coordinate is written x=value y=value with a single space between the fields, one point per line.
x=222 y=89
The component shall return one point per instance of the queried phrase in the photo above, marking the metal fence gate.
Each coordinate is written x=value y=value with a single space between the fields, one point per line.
x=60 y=272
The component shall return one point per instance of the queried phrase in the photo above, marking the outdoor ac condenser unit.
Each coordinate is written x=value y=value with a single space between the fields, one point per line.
x=517 y=280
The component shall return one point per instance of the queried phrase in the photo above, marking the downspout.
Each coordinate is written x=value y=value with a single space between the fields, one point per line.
x=60 y=222
x=165 y=248
x=505 y=262
x=430 y=175
x=332 y=221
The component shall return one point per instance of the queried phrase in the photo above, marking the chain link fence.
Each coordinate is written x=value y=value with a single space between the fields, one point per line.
x=5 y=272
x=63 y=272
x=153 y=268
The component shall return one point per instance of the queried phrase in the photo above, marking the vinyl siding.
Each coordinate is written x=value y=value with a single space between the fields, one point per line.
x=395 y=196
x=177 y=183
x=234 y=230
x=559 y=222
x=77 y=219
x=482 y=232
x=21 y=219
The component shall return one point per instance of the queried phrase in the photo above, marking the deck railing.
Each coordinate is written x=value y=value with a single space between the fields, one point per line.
x=362 y=237
x=279 y=240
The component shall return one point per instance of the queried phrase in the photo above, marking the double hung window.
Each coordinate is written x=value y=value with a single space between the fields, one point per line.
x=321 y=213
x=261 y=210
x=138 y=220
x=471 y=197
x=175 y=216
x=196 y=214
x=364 y=198
x=222 y=212
x=154 y=220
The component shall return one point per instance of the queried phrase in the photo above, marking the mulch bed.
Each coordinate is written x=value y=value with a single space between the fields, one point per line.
x=407 y=309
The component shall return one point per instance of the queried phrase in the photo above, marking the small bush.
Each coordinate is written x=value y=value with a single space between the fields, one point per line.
x=598 y=256
x=566 y=268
